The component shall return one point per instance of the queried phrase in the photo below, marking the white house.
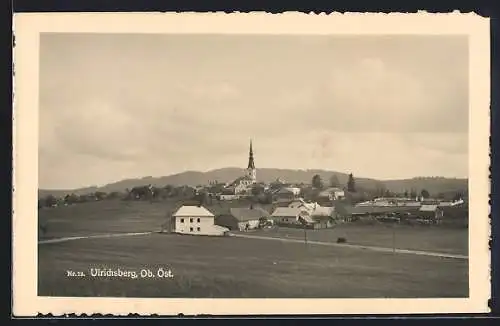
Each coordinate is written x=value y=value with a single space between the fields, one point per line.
x=332 y=193
x=294 y=190
x=196 y=220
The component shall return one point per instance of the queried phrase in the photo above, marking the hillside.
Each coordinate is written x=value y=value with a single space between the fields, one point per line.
x=433 y=184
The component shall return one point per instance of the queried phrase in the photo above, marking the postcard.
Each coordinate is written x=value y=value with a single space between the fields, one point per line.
x=250 y=163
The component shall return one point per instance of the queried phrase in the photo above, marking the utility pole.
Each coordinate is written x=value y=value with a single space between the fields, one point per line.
x=305 y=234
x=393 y=238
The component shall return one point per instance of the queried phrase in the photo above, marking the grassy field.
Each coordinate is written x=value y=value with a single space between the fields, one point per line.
x=237 y=267
x=231 y=267
x=426 y=238
x=120 y=216
x=110 y=216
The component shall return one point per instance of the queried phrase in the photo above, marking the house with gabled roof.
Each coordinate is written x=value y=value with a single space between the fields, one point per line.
x=430 y=212
x=287 y=215
x=196 y=220
x=243 y=218
x=332 y=193
x=315 y=216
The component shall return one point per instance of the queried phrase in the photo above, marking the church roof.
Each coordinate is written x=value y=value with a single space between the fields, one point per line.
x=251 y=163
x=237 y=181
x=193 y=211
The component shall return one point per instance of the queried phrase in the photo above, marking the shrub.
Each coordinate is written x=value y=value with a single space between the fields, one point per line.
x=341 y=240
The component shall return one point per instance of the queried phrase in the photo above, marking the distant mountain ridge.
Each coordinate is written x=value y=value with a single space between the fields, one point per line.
x=433 y=184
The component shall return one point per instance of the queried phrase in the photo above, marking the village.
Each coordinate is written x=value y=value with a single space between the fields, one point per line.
x=245 y=204
x=290 y=209
x=298 y=233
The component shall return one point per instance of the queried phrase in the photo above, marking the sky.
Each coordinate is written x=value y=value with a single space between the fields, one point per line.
x=118 y=106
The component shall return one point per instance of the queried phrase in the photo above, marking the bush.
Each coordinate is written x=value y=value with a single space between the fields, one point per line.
x=341 y=240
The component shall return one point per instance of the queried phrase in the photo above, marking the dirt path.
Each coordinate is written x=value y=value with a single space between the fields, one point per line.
x=111 y=235
x=332 y=244
x=353 y=246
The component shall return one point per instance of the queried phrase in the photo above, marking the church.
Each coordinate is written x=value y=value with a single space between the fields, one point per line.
x=243 y=185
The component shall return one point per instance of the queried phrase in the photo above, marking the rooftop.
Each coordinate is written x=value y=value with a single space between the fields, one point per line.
x=359 y=210
x=286 y=211
x=247 y=214
x=193 y=211
x=428 y=208
x=322 y=211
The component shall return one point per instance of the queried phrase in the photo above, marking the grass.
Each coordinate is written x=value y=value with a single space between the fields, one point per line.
x=111 y=216
x=120 y=216
x=230 y=267
x=426 y=238
x=239 y=268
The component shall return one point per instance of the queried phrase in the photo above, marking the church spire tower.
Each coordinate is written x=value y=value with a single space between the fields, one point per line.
x=251 y=171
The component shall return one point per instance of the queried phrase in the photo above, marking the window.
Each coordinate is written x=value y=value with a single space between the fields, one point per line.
x=198 y=222
x=190 y=220
x=191 y=229
x=198 y=229
x=182 y=220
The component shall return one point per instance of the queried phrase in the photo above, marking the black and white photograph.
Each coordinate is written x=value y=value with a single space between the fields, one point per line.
x=224 y=165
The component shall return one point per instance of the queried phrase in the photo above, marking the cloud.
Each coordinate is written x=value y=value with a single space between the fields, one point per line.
x=370 y=95
x=117 y=107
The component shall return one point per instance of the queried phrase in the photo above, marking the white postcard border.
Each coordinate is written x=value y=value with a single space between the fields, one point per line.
x=27 y=28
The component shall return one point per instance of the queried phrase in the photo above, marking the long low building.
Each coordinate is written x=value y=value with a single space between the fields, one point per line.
x=380 y=210
x=318 y=217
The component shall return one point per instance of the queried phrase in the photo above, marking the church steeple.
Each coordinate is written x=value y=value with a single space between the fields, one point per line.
x=251 y=172
x=251 y=163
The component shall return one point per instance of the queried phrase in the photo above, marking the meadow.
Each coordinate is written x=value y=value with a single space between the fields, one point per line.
x=231 y=267
x=118 y=216
x=418 y=237
x=235 y=267
x=102 y=217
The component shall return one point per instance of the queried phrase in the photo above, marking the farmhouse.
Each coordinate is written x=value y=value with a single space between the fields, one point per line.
x=243 y=219
x=286 y=215
x=430 y=212
x=196 y=220
x=322 y=216
x=314 y=208
x=313 y=216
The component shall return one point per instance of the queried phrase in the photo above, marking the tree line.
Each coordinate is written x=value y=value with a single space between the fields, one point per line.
x=147 y=192
x=380 y=189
